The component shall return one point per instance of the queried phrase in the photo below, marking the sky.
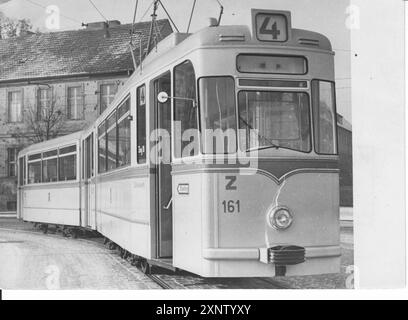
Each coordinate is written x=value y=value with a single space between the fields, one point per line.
x=324 y=16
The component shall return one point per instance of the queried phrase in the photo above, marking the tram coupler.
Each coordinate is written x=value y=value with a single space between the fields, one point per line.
x=282 y=256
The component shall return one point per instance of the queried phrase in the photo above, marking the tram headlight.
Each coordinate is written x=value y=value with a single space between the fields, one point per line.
x=280 y=218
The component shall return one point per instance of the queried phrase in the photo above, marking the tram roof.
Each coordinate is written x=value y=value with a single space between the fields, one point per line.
x=53 y=143
x=234 y=35
x=177 y=44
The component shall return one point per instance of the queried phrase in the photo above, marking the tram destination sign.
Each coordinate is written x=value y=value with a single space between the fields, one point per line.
x=271 y=25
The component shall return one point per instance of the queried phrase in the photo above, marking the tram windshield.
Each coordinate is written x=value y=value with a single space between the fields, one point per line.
x=274 y=120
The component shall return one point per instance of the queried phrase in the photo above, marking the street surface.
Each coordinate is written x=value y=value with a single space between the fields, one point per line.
x=32 y=260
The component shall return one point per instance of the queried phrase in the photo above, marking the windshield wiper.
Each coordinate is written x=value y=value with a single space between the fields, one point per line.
x=271 y=145
x=264 y=147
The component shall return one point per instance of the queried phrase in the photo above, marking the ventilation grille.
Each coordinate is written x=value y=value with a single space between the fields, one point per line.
x=309 y=42
x=234 y=37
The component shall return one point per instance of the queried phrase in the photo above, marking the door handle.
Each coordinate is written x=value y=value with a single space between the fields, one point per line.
x=167 y=207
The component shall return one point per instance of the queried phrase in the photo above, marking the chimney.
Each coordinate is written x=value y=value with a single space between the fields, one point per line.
x=100 y=25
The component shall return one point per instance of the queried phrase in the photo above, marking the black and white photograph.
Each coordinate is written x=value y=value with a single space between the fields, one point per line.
x=218 y=144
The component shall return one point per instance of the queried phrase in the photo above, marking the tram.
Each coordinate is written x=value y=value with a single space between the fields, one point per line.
x=149 y=175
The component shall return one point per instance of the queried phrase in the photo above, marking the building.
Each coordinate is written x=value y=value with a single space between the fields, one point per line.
x=61 y=80
x=345 y=161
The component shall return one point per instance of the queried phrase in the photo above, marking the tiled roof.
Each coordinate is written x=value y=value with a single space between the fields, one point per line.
x=71 y=52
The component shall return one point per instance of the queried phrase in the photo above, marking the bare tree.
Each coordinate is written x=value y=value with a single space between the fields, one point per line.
x=46 y=124
x=41 y=125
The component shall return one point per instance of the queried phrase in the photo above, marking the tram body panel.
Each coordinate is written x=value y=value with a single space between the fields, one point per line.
x=214 y=243
x=311 y=197
x=123 y=210
x=320 y=64
x=187 y=220
x=57 y=204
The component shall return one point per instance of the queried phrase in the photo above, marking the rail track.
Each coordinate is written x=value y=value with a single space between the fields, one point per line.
x=159 y=281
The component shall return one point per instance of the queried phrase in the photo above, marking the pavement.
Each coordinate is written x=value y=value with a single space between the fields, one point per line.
x=32 y=260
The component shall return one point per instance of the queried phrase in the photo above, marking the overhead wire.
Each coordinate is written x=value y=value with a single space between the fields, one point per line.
x=191 y=15
x=99 y=11
x=168 y=15
x=134 y=16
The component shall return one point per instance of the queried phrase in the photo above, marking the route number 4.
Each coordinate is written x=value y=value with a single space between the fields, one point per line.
x=272 y=27
x=274 y=31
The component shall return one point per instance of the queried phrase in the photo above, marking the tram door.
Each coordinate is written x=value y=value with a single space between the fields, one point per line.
x=163 y=173
x=89 y=186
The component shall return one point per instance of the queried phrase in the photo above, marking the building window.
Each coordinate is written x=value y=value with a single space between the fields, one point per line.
x=15 y=106
x=107 y=94
x=43 y=102
x=11 y=161
x=75 y=103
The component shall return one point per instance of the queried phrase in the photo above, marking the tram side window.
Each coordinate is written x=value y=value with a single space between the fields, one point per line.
x=185 y=111
x=111 y=136
x=49 y=166
x=141 y=124
x=88 y=170
x=324 y=117
x=34 y=168
x=218 y=114
x=21 y=171
x=67 y=163
x=124 y=133
x=102 y=148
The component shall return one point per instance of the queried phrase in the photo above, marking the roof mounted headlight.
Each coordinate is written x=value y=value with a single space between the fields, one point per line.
x=280 y=218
